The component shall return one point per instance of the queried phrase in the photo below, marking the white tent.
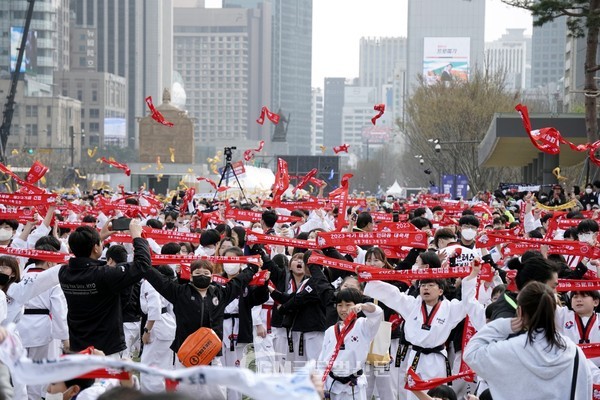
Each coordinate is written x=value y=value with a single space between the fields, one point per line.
x=395 y=190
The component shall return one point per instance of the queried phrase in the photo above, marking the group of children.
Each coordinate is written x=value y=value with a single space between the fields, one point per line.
x=300 y=310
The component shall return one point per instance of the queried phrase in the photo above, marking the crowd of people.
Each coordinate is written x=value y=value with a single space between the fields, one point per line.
x=394 y=298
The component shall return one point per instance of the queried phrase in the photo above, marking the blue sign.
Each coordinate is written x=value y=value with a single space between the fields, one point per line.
x=455 y=185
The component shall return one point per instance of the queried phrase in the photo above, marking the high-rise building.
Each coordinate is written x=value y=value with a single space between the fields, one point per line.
x=133 y=39
x=220 y=54
x=356 y=118
x=548 y=48
x=509 y=55
x=103 y=99
x=379 y=57
x=291 y=53
x=316 y=134
x=333 y=105
x=47 y=48
x=42 y=124
x=441 y=33
x=574 y=77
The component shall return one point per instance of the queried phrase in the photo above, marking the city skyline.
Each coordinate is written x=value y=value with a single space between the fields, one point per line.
x=336 y=51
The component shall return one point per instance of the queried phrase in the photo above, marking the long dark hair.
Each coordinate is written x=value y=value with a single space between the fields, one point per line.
x=537 y=302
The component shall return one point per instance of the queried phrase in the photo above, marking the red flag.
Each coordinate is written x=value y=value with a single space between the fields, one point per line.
x=118 y=165
x=36 y=172
x=187 y=199
x=306 y=179
x=282 y=180
x=156 y=115
x=249 y=154
x=274 y=118
x=381 y=109
x=210 y=181
x=343 y=147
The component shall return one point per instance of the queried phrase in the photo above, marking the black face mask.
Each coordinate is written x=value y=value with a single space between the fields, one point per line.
x=201 y=281
x=4 y=279
x=170 y=225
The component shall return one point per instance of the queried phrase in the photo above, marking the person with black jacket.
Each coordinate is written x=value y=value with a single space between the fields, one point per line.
x=237 y=317
x=200 y=304
x=307 y=308
x=531 y=267
x=116 y=255
x=92 y=289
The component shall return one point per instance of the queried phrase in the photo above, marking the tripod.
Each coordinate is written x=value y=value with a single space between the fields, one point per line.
x=224 y=174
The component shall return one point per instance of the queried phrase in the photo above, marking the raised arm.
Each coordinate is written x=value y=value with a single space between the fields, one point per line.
x=391 y=296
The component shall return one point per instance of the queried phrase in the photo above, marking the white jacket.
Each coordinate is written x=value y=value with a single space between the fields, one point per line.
x=515 y=369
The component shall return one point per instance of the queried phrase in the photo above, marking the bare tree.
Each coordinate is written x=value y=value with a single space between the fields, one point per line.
x=456 y=113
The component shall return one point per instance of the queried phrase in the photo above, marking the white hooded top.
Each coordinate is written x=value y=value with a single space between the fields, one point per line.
x=515 y=369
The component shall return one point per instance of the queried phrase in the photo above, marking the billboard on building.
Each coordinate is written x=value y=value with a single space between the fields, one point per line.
x=29 y=64
x=446 y=59
x=115 y=131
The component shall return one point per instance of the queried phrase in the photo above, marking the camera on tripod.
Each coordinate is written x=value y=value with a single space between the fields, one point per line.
x=228 y=152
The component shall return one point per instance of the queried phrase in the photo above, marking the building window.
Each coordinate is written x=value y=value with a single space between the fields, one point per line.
x=94 y=95
x=94 y=127
x=94 y=113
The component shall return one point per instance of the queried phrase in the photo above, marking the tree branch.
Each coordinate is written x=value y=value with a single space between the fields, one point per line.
x=593 y=69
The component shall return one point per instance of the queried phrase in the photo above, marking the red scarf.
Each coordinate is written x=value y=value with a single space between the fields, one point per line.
x=254 y=237
x=407 y=238
x=249 y=154
x=45 y=255
x=381 y=109
x=36 y=172
x=274 y=118
x=118 y=165
x=339 y=337
x=156 y=115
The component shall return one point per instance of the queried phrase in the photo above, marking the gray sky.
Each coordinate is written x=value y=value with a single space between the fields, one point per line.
x=338 y=26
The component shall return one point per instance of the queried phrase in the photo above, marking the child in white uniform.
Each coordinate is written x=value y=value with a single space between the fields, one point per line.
x=346 y=379
x=428 y=320
x=582 y=323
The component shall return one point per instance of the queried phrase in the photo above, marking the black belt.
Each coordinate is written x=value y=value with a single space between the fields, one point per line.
x=227 y=316
x=350 y=379
x=163 y=310
x=425 y=350
x=36 y=311
x=432 y=350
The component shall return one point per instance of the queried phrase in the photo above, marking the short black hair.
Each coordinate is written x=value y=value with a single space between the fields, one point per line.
x=13 y=223
x=117 y=253
x=431 y=258
x=166 y=270
x=363 y=219
x=269 y=217
x=421 y=222
x=82 y=383
x=241 y=235
x=171 y=248
x=89 y=218
x=442 y=392
x=468 y=220
x=132 y=201
x=154 y=223
x=48 y=240
x=587 y=225
x=45 y=247
x=349 y=295
x=223 y=229
x=82 y=241
x=172 y=214
x=419 y=212
x=208 y=237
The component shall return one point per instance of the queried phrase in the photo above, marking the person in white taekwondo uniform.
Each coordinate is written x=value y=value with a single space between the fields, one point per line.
x=159 y=333
x=346 y=379
x=428 y=320
x=44 y=319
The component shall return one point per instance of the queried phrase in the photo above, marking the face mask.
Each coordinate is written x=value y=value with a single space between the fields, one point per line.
x=415 y=267
x=170 y=225
x=4 y=279
x=586 y=237
x=468 y=234
x=232 y=269
x=588 y=191
x=5 y=234
x=258 y=230
x=54 y=396
x=201 y=281
x=209 y=251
